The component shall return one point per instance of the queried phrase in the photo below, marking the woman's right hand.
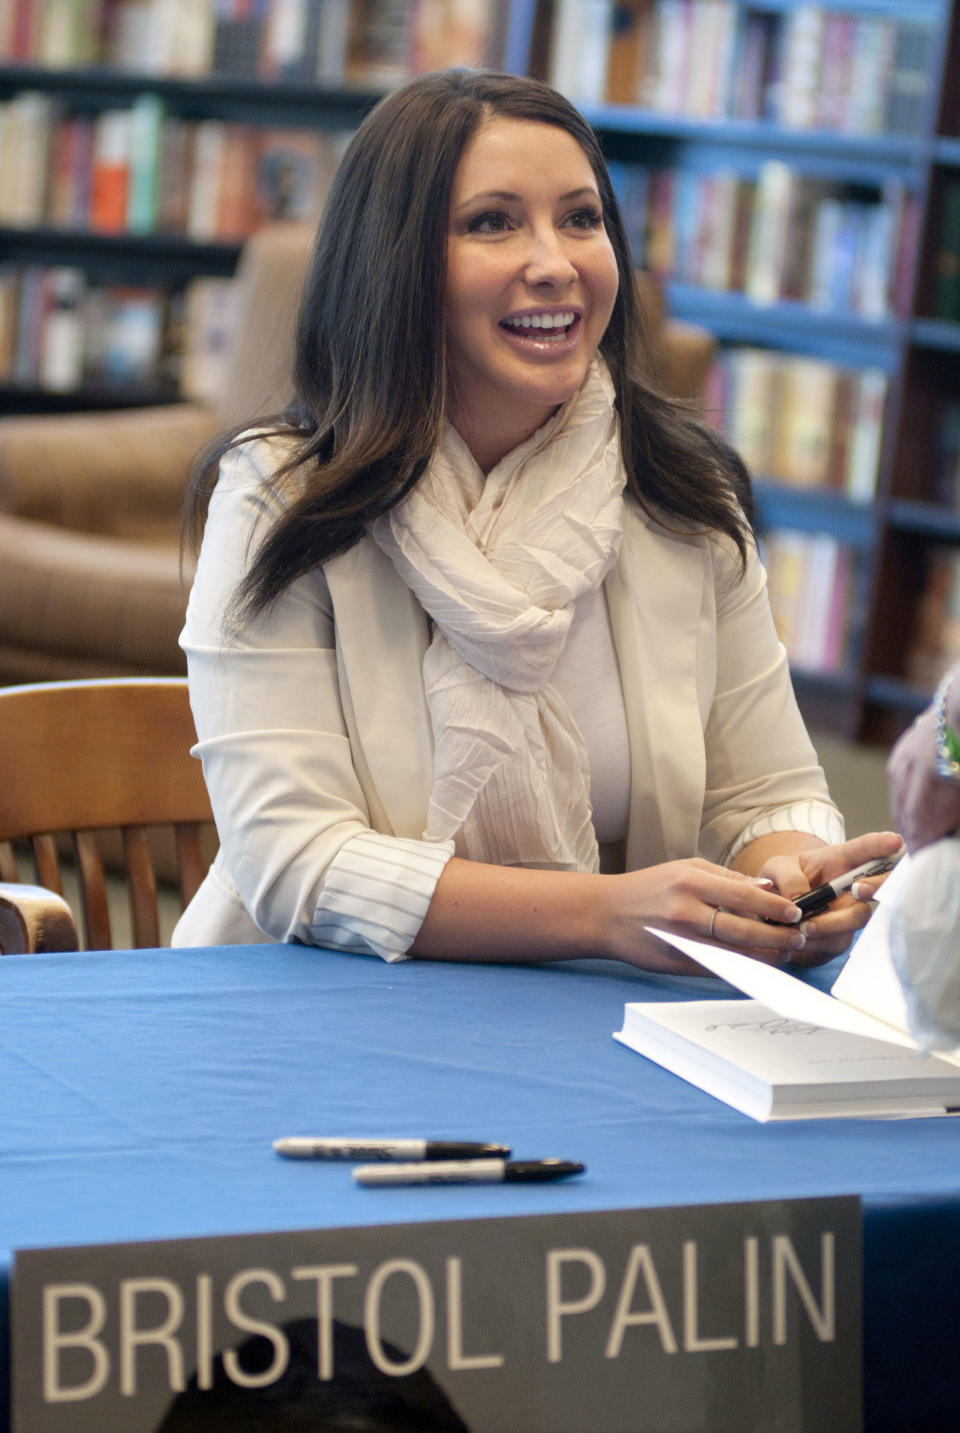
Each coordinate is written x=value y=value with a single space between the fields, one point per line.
x=685 y=897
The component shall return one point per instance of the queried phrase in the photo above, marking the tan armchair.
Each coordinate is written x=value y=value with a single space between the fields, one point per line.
x=90 y=582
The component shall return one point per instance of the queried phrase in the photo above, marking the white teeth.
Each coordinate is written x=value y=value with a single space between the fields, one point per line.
x=541 y=320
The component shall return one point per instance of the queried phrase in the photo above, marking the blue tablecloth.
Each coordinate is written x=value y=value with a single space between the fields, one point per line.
x=141 y=1092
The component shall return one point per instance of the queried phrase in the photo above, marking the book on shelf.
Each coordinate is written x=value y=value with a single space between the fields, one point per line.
x=910 y=89
x=632 y=32
x=579 y=49
x=209 y=316
x=71 y=166
x=933 y=644
x=810 y=579
x=294 y=170
x=753 y=67
x=457 y=32
x=9 y=308
x=147 y=120
x=27 y=123
x=61 y=349
x=791 y=1051
x=798 y=84
x=807 y=401
x=380 y=42
x=110 y=171
x=240 y=31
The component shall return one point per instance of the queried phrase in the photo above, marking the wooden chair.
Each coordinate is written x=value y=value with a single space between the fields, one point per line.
x=79 y=758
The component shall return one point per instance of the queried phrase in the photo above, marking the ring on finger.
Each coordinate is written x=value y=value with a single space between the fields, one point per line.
x=711 y=932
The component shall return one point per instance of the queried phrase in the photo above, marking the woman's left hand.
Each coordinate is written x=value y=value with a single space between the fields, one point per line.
x=831 y=931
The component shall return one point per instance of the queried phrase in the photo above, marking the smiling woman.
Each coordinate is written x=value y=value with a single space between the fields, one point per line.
x=480 y=654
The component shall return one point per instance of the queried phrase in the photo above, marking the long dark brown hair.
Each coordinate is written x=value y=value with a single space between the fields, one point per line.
x=370 y=361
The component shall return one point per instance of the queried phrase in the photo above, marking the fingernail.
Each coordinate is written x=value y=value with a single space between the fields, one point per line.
x=764 y=881
x=808 y=928
x=861 y=891
x=794 y=914
x=797 y=940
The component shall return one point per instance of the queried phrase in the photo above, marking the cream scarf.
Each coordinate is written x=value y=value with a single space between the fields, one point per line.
x=498 y=563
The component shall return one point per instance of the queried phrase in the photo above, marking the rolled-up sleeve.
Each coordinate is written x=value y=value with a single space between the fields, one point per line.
x=296 y=840
x=762 y=770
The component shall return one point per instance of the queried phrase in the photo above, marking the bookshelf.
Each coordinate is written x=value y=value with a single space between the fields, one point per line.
x=793 y=170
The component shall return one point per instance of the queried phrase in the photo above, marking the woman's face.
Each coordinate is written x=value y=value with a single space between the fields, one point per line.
x=531 y=281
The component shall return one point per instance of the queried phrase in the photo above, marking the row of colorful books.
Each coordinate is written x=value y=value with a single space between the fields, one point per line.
x=800 y=421
x=370 y=42
x=802 y=66
x=811 y=580
x=774 y=234
x=934 y=643
x=61 y=332
x=140 y=169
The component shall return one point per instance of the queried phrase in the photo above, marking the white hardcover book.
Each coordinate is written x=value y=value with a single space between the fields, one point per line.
x=792 y=1051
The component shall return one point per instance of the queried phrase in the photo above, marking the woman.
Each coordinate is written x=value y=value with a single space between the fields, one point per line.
x=480 y=654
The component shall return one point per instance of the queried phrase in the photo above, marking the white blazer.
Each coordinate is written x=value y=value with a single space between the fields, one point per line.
x=313 y=727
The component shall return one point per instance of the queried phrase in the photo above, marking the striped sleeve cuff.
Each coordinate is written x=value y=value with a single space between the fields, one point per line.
x=376 y=893
x=816 y=818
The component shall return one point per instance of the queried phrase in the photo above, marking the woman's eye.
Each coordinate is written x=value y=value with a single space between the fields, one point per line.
x=586 y=219
x=493 y=222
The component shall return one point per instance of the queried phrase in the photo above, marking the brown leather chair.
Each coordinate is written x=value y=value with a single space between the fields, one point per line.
x=90 y=582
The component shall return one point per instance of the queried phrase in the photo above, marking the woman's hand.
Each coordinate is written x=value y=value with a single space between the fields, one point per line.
x=830 y=932
x=700 y=900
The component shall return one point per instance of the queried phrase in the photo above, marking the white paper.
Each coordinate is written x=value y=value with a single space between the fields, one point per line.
x=784 y=993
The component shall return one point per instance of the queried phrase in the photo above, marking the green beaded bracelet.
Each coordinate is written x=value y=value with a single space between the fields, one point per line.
x=947 y=740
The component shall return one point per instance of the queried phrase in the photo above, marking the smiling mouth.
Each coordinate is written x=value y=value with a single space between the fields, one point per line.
x=542 y=327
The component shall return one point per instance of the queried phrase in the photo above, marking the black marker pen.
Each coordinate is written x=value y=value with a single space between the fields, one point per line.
x=817 y=900
x=468 y=1171
x=302 y=1146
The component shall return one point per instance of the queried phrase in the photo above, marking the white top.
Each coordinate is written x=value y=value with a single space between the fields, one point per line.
x=316 y=748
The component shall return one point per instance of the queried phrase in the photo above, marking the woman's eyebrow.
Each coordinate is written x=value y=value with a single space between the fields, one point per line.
x=510 y=198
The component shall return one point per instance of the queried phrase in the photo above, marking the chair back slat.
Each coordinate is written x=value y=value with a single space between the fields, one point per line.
x=9 y=870
x=78 y=758
x=93 y=891
x=144 y=920
x=190 y=861
x=46 y=860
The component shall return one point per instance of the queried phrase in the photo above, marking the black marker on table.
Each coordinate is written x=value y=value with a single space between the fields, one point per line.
x=468 y=1171
x=299 y=1146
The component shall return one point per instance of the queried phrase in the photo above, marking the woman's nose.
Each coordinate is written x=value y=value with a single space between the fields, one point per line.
x=547 y=261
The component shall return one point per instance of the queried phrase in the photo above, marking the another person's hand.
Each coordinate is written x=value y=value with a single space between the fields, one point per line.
x=925 y=804
x=830 y=932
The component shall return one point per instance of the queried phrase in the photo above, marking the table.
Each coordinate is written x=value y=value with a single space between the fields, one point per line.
x=142 y=1091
